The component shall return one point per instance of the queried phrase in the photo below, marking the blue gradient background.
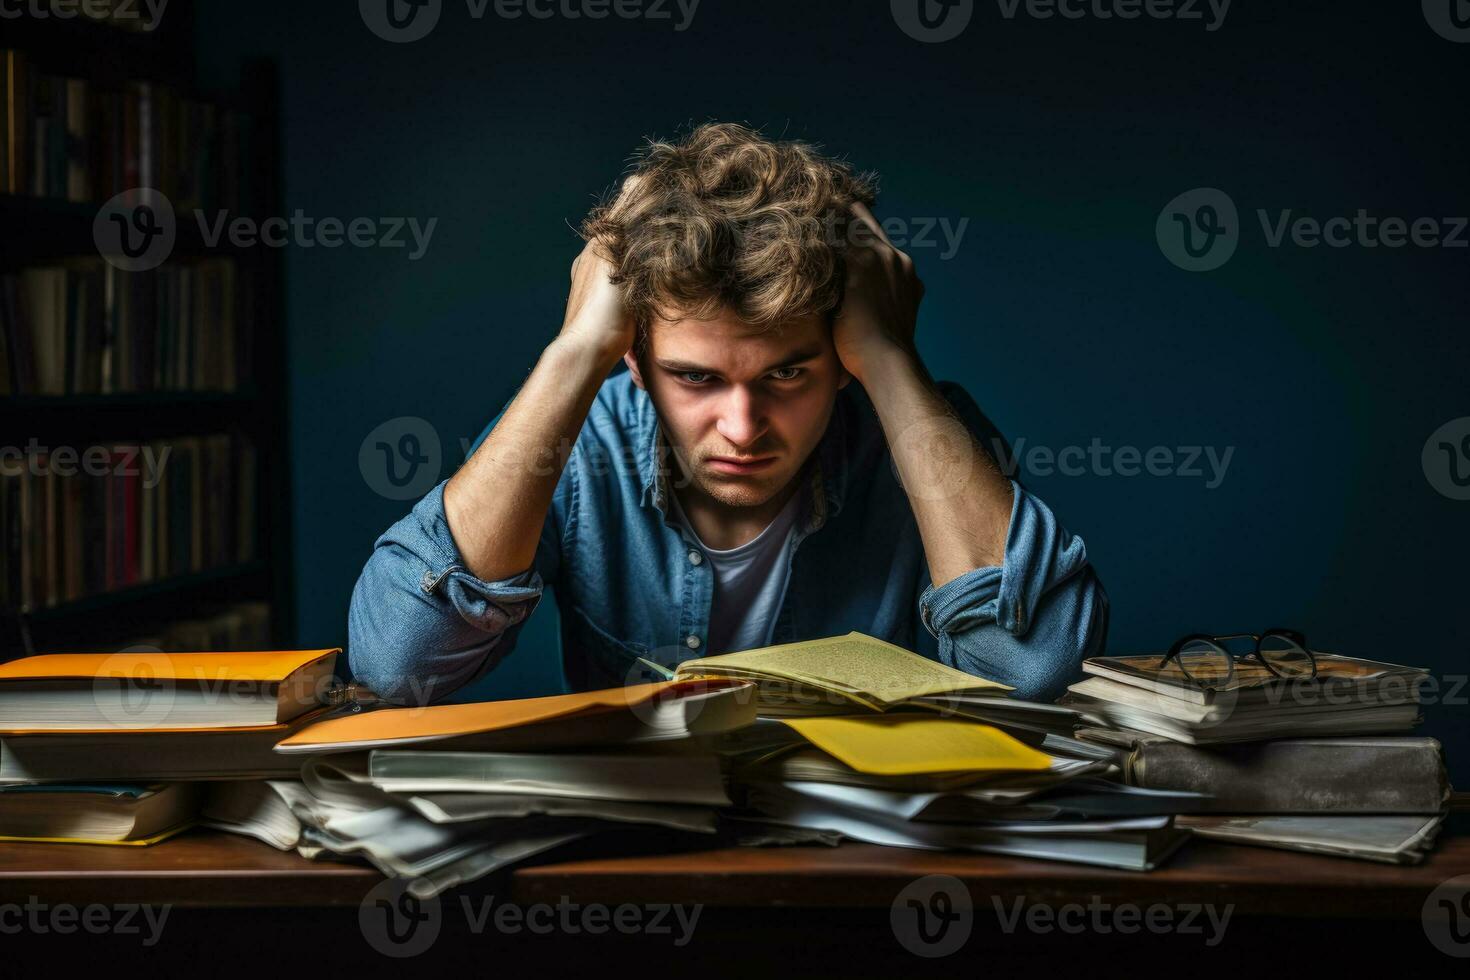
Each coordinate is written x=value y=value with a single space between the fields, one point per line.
x=1326 y=369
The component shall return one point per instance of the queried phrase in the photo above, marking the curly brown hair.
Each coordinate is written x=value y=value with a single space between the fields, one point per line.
x=725 y=218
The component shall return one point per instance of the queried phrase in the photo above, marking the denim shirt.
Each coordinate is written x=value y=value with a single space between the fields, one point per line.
x=630 y=583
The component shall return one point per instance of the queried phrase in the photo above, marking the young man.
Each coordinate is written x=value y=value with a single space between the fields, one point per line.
x=733 y=488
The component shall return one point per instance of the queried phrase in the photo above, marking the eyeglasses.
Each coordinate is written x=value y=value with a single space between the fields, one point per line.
x=1205 y=658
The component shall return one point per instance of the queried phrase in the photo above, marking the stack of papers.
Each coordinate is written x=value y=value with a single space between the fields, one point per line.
x=908 y=780
x=447 y=793
x=1135 y=844
x=334 y=811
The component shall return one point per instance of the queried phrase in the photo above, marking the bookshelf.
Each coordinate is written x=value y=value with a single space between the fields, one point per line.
x=188 y=358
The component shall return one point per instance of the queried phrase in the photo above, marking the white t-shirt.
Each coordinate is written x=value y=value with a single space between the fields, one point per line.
x=750 y=581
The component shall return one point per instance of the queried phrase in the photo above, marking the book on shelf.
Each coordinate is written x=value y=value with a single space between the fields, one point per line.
x=78 y=140
x=134 y=514
x=225 y=627
x=83 y=327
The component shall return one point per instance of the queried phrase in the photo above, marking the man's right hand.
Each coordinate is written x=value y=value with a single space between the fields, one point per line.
x=596 y=320
x=498 y=501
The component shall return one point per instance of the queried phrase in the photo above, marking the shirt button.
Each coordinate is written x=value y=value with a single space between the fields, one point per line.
x=695 y=558
x=691 y=641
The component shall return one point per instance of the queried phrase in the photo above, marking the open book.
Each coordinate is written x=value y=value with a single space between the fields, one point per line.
x=837 y=675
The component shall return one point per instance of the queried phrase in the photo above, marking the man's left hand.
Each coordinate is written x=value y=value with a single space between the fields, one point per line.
x=880 y=305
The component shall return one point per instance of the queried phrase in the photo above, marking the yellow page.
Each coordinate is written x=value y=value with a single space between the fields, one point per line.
x=855 y=662
x=908 y=745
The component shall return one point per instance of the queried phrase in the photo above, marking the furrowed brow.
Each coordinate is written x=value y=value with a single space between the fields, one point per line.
x=796 y=357
x=680 y=367
x=790 y=360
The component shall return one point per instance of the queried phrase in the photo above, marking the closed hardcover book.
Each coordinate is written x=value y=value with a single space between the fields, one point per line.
x=1389 y=775
x=97 y=692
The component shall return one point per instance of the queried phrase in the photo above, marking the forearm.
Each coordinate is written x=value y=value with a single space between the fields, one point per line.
x=496 y=504
x=960 y=498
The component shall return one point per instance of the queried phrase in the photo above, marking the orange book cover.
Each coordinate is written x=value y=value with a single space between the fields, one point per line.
x=265 y=667
x=388 y=726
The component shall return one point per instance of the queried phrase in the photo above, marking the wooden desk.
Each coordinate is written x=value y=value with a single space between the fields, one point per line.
x=788 y=911
x=203 y=868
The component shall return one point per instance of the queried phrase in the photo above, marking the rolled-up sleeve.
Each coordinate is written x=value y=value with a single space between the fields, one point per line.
x=420 y=626
x=1030 y=622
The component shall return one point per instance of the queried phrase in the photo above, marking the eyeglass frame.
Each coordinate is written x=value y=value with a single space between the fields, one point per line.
x=1295 y=636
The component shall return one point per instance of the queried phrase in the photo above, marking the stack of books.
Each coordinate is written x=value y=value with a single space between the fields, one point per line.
x=111 y=748
x=1348 y=696
x=1321 y=764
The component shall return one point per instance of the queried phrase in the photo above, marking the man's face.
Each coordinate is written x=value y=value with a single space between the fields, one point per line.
x=742 y=406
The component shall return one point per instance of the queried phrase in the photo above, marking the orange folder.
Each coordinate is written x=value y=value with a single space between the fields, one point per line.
x=396 y=726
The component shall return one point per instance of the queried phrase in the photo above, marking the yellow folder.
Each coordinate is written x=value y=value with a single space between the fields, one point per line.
x=909 y=745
